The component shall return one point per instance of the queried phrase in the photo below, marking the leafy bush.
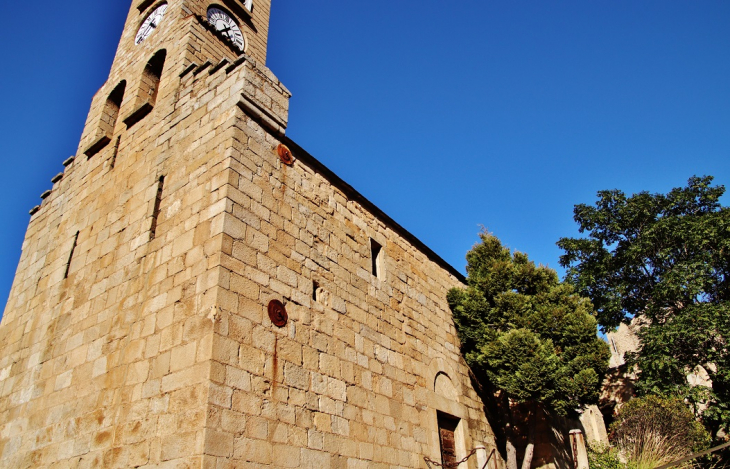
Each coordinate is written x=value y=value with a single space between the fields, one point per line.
x=653 y=430
x=602 y=457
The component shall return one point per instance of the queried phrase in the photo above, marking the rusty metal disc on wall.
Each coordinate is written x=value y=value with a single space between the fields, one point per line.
x=277 y=313
x=285 y=155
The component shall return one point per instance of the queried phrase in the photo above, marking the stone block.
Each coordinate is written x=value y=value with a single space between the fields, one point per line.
x=178 y=446
x=251 y=450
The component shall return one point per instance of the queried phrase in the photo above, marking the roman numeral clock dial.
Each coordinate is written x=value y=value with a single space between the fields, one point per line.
x=223 y=23
x=150 y=23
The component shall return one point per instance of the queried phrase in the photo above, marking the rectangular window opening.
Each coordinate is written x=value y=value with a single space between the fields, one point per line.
x=71 y=255
x=315 y=287
x=447 y=439
x=156 y=211
x=375 y=250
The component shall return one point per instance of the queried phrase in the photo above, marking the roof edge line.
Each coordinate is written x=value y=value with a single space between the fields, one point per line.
x=356 y=196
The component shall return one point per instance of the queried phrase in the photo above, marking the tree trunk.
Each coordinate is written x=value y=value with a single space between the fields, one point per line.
x=510 y=434
x=511 y=451
x=530 y=448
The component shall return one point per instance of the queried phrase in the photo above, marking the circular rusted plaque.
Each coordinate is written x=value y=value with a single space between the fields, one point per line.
x=285 y=155
x=277 y=313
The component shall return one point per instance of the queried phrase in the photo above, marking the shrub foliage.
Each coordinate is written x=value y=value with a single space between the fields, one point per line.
x=654 y=430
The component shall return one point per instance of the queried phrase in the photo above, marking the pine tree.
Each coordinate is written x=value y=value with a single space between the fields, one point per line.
x=530 y=335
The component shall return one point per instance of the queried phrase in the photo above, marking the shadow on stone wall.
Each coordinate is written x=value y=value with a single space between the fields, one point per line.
x=552 y=436
x=618 y=388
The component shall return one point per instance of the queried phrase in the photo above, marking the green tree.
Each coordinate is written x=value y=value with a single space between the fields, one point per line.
x=528 y=334
x=664 y=258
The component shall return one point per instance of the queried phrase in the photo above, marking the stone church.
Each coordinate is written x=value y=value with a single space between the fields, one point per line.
x=196 y=290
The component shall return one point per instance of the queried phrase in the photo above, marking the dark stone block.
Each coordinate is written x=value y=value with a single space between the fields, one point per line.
x=220 y=65
x=97 y=146
x=138 y=115
x=205 y=65
x=188 y=69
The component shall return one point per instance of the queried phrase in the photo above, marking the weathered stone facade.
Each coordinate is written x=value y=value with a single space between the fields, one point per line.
x=618 y=388
x=137 y=333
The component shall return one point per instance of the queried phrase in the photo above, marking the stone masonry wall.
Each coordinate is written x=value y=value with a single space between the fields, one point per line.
x=351 y=381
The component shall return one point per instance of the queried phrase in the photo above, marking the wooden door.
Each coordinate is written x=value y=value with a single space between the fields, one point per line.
x=447 y=431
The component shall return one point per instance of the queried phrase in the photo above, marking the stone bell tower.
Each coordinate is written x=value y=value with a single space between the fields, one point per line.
x=197 y=291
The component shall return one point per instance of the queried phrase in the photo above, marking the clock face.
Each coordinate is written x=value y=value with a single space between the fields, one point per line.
x=226 y=26
x=150 y=23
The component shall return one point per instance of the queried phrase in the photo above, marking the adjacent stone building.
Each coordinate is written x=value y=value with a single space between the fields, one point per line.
x=198 y=291
x=618 y=388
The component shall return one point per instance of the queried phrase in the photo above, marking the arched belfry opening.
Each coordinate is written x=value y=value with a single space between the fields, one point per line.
x=152 y=75
x=108 y=119
x=148 y=89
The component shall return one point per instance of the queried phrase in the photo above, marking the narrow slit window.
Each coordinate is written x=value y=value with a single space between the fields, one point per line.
x=156 y=211
x=375 y=257
x=115 y=151
x=71 y=255
x=315 y=287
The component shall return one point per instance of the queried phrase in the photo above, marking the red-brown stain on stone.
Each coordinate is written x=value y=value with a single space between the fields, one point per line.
x=275 y=363
x=102 y=438
x=284 y=181
x=112 y=456
x=135 y=429
x=36 y=457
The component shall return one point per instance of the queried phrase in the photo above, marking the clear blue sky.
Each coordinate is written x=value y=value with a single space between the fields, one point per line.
x=447 y=115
